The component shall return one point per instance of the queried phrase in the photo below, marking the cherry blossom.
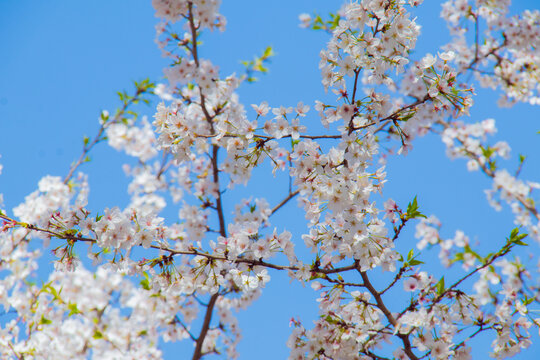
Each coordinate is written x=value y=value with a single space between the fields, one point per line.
x=155 y=278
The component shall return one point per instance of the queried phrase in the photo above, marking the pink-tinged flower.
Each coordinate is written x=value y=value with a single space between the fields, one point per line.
x=460 y=239
x=302 y=109
x=447 y=55
x=347 y=66
x=261 y=109
x=399 y=354
x=295 y=129
x=86 y=226
x=390 y=208
x=410 y=284
x=315 y=285
x=281 y=112
x=305 y=20
x=428 y=61
x=346 y=111
x=440 y=350
x=281 y=129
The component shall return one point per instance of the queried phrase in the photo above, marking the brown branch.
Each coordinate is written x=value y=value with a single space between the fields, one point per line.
x=398 y=276
x=397 y=230
x=407 y=347
x=219 y=204
x=356 y=73
x=342 y=283
x=284 y=201
x=505 y=250
x=193 y=252
x=480 y=329
x=312 y=137
x=193 y=30
x=375 y=356
x=209 y=120
x=476 y=35
x=197 y=354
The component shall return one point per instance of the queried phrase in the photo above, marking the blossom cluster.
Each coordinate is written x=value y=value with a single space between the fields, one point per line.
x=156 y=277
x=467 y=141
x=505 y=51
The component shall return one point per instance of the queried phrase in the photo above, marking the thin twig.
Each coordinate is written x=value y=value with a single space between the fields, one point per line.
x=284 y=201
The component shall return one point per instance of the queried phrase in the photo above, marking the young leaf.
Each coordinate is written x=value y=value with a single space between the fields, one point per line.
x=412 y=210
x=440 y=286
x=44 y=320
x=73 y=309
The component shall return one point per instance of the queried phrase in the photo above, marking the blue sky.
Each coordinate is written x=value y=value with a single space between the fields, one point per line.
x=63 y=61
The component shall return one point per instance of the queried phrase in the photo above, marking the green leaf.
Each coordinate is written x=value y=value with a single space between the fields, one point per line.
x=517 y=240
x=51 y=290
x=514 y=232
x=98 y=335
x=412 y=206
x=526 y=301
x=410 y=255
x=408 y=116
x=44 y=320
x=487 y=152
x=516 y=237
x=145 y=283
x=330 y=320
x=335 y=20
x=440 y=286
x=268 y=52
x=412 y=210
x=73 y=309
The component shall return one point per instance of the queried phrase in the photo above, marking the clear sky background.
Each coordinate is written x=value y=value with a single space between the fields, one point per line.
x=63 y=61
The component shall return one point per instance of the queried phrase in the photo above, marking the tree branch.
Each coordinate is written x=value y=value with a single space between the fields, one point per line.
x=380 y=304
x=197 y=354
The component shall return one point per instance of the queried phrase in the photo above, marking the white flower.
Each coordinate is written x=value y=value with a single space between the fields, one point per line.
x=447 y=55
x=428 y=61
